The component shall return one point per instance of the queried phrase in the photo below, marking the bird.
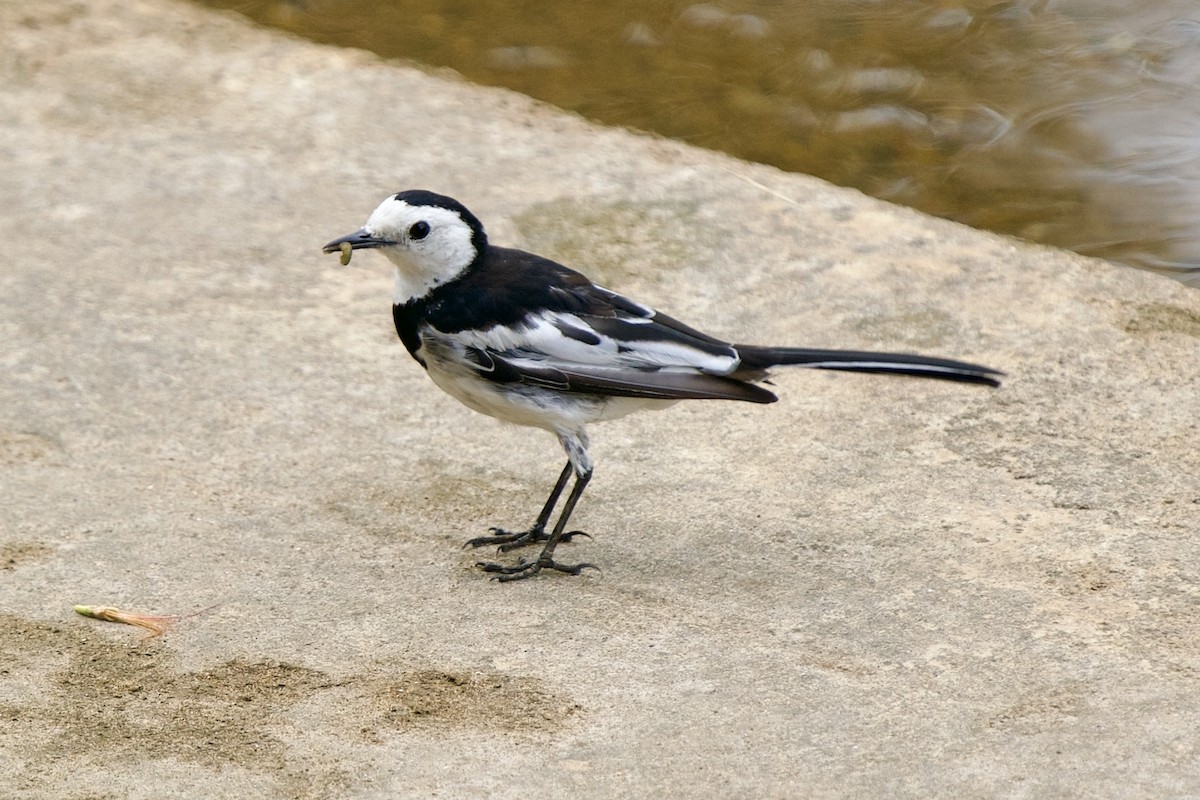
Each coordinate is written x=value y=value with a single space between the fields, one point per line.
x=526 y=340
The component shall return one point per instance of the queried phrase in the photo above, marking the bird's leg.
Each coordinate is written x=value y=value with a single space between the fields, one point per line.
x=511 y=540
x=527 y=569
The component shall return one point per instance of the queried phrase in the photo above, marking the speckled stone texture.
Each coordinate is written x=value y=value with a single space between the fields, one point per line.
x=873 y=588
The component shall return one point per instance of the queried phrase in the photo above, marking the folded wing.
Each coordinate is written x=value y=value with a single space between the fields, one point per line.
x=608 y=346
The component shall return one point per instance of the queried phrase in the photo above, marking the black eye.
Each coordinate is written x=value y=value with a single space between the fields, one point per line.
x=419 y=230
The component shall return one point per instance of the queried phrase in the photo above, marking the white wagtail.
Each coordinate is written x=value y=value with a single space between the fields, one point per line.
x=526 y=340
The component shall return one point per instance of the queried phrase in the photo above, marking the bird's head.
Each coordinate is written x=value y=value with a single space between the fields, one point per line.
x=431 y=238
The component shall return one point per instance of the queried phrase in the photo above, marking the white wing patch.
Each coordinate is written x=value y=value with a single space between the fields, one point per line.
x=562 y=339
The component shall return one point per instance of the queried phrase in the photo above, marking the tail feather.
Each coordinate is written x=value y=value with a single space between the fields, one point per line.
x=755 y=359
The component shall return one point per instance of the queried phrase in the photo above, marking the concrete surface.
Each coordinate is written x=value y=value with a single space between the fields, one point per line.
x=875 y=587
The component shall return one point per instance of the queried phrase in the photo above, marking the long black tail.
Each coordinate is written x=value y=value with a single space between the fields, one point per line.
x=763 y=358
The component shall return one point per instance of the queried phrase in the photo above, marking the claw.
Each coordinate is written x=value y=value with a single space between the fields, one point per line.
x=515 y=544
x=507 y=541
x=527 y=569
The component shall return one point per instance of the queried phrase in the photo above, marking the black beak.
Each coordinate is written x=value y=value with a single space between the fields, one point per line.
x=359 y=240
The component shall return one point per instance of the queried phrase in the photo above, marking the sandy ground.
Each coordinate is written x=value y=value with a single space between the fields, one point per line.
x=875 y=587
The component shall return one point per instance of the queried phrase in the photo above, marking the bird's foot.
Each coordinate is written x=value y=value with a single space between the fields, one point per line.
x=527 y=569
x=511 y=540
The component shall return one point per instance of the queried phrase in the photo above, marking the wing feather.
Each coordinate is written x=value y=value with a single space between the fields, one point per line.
x=659 y=384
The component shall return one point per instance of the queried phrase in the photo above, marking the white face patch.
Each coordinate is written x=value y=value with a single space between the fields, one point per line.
x=430 y=245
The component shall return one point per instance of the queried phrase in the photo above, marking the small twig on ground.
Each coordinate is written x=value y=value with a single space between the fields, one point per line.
x=157 y=624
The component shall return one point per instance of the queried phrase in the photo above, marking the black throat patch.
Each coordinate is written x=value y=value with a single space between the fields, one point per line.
x=407 y=317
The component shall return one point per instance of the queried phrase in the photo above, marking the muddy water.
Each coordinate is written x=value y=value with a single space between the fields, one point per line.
x=1075 y=123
